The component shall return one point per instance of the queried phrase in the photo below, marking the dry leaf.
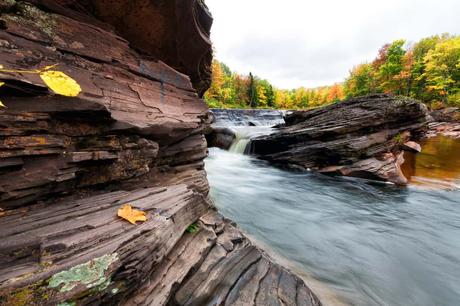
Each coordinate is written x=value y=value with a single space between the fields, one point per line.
x=60 y=83
x=132 y=215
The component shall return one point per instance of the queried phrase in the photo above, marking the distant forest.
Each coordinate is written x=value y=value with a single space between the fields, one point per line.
x=428 y=70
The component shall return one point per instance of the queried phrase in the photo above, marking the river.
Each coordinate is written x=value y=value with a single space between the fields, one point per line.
x=371 y=244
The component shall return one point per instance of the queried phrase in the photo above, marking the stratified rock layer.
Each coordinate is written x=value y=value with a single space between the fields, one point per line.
x=360 y=137
x=134 y=135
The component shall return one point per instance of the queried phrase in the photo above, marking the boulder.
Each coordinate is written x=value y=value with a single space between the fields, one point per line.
x=220 y=137
x=360 y=137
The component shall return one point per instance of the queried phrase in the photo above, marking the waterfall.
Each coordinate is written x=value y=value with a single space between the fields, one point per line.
x=244 y=136
x=247 y=124
x=239 y=145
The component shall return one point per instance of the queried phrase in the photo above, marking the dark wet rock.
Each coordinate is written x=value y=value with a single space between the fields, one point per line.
x=360 y=137
x=220 y=137
x=211 y=118
x=134 y=135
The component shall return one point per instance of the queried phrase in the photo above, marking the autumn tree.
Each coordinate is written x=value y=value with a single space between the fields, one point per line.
x=427 y=70
x=335 y=93
x=361 y=81
x=419 y=51
x=270 y=93
x=217 y=82
x=389 y=71
x=241 y=85
x=442 y=71
x=252 y=91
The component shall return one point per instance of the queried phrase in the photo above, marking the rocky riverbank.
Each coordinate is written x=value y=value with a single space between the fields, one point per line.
x=446 y=123
x=134 y=135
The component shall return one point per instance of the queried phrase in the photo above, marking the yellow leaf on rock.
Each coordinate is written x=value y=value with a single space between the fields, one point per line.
x=132 y=215
x=60 y=83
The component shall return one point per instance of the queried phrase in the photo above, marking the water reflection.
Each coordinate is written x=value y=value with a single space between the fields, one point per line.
x=438 y=165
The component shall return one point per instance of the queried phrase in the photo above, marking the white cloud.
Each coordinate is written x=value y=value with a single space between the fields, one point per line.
x=296 y=43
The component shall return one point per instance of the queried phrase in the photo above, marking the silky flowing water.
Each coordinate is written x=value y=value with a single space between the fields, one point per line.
x=372 y=244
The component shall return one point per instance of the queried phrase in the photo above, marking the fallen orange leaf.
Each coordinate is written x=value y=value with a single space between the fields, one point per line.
x=132 y=215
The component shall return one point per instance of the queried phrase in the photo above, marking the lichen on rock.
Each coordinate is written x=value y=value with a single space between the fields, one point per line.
x=29 y=14
x=91 y=274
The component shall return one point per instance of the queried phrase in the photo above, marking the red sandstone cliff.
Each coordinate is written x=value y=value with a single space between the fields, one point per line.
x=134 y=135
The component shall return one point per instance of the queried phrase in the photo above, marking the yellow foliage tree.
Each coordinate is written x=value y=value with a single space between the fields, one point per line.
x=442 y=69
x=217 y=83
x=261 y=97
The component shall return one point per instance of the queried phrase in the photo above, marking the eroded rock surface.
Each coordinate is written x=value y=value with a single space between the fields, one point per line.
x=134 y=135
x=360 y=137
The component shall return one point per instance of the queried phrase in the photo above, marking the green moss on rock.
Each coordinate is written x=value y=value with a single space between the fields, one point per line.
x=6 y=5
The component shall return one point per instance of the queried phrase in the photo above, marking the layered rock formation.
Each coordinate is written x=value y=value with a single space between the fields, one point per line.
x=447 y=123
x=134 y=135
x=361 y=137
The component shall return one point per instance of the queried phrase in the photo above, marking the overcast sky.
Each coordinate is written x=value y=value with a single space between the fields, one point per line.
x=295 y=43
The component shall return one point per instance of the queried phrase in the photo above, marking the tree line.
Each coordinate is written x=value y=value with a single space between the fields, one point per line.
x=428 y=70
